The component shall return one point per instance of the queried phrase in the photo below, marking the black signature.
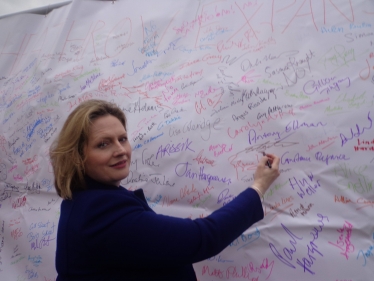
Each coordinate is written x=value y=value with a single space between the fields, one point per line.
x=264 y=146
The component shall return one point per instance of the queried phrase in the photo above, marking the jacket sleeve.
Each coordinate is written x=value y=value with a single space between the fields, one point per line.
x=126 y=233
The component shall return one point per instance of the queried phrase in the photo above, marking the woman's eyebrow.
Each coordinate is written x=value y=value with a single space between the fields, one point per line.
x=99 y=138
x=108 y=137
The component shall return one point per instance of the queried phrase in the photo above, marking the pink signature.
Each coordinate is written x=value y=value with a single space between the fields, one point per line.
x=344 y=240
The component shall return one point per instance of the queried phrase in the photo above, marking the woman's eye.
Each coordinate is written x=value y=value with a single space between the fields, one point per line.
x=124 y=139
x=102 y=145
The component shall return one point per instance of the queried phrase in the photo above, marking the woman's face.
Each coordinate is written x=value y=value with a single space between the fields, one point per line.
x=108 y=151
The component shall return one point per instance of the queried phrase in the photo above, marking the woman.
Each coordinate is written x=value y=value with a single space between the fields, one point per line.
x=106 y=232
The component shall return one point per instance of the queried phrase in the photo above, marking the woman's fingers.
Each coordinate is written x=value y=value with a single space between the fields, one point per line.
x=274 y=160
x=264 y=176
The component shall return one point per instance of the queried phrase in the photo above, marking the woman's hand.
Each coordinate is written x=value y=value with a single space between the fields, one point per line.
x=265 y=176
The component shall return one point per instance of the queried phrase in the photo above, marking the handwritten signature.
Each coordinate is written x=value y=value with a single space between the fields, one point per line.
x=359 y=132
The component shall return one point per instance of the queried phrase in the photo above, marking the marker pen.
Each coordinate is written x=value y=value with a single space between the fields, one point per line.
x=267 y=162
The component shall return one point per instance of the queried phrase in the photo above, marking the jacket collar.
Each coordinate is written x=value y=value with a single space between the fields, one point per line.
x=93 y=184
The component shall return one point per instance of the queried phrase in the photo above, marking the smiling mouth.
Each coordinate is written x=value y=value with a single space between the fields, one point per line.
x=119 y=163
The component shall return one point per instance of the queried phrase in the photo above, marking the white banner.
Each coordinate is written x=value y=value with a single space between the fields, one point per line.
x=206 y=86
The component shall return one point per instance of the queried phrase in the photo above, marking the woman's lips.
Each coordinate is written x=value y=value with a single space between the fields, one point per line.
x=120 y=164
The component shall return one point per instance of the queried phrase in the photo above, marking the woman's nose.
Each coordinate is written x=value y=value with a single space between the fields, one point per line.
x=119 y=149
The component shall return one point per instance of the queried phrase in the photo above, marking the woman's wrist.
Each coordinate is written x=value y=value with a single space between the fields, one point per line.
x=259 y=192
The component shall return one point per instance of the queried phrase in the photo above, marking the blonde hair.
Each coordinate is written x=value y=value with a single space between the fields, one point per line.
x=67 y=151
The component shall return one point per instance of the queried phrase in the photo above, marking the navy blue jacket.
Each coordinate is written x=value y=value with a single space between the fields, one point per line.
x=110 y=233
